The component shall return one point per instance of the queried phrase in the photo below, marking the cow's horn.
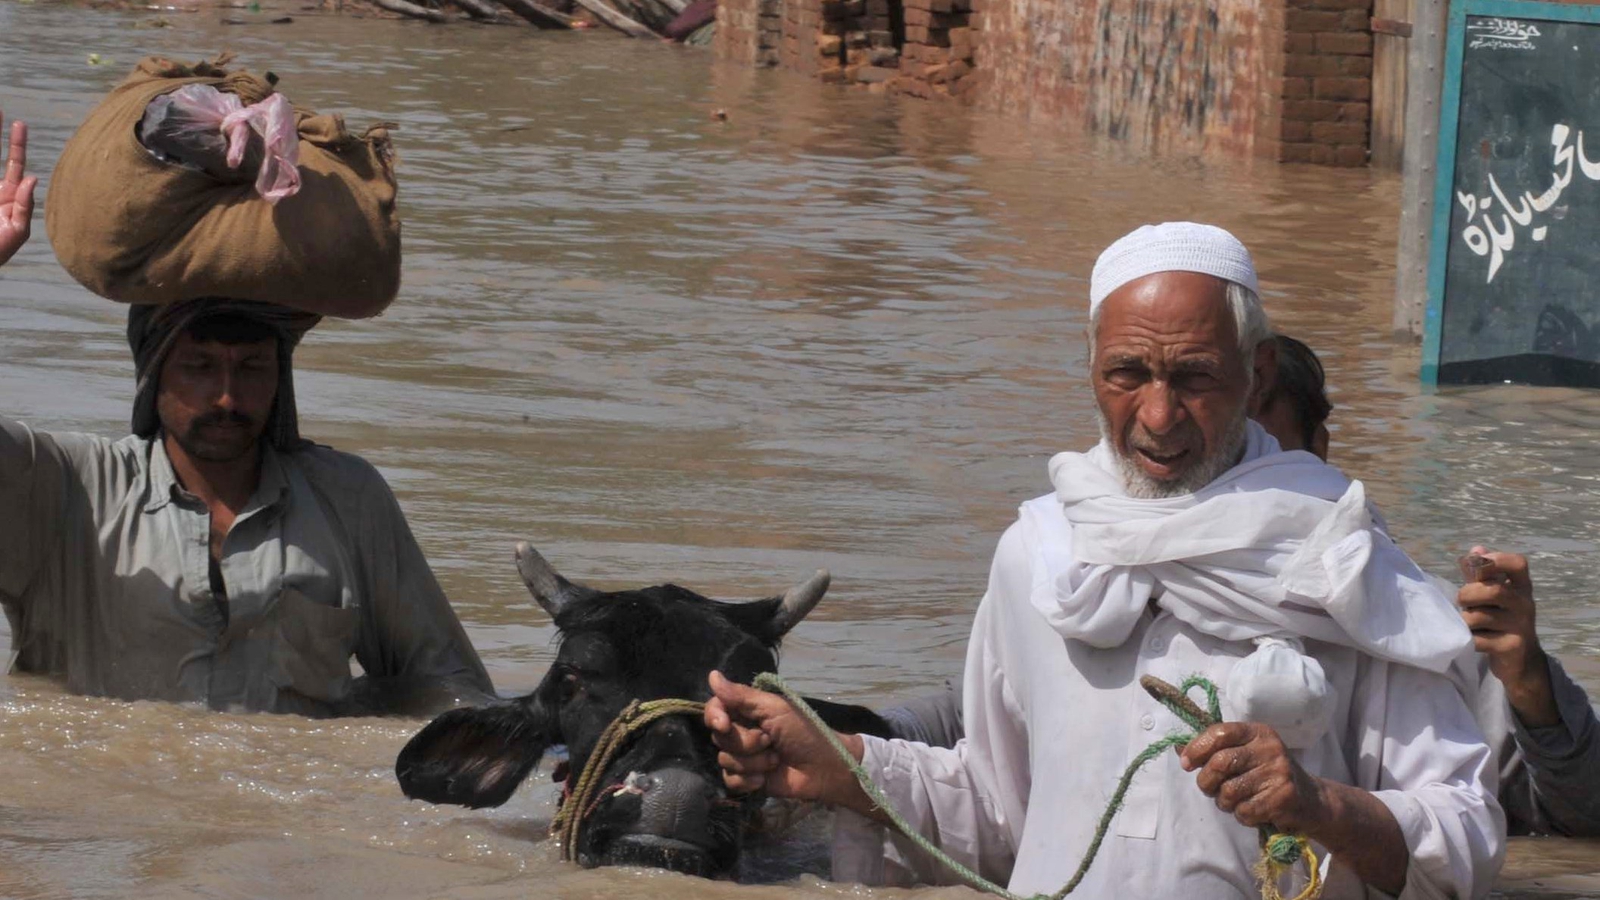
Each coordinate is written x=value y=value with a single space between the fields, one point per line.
x=545 y=584
x=800 y=600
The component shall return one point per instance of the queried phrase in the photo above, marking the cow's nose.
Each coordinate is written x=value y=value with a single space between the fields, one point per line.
x=639 y=782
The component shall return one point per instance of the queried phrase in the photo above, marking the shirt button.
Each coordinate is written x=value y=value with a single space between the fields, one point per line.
x=1147 y=722
x=1157 y=645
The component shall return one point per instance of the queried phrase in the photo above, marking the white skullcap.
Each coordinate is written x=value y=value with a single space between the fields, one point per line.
x=1171 y=247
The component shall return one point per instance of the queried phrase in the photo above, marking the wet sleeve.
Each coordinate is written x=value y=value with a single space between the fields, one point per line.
x=969 y=800
x=33 y=490
x=416 y=655
x=1419 y=750
x=1562 y=763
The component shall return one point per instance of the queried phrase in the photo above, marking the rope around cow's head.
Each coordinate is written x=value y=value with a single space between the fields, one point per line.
x=582 y=797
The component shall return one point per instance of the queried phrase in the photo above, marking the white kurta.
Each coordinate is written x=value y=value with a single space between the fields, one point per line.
x=1052 y=722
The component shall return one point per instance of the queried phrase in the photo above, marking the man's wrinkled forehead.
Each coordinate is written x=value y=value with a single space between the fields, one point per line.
x=1181 y=309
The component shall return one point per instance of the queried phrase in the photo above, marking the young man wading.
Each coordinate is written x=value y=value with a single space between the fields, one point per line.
x=215 y=556
x=1183 y=544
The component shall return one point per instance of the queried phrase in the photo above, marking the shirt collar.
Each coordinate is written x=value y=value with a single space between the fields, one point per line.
x=271 y=491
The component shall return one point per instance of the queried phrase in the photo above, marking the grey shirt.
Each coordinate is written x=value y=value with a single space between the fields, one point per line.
x=105 y=575
x=1550 y=776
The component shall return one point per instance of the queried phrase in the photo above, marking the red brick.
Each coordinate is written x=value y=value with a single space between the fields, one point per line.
x=918 y=17
x=1353 y=65
x=829 y=44
x=1325 y=111
x=936 y=74
x=1339 y=132
x=1295 y=88
x=1299 y=43
x=959 y=69
x=1312 y=20
x=1341 y=88
x=1311 y=110
x=1296 y=131
x=1365 y=6
x=1298 y=66
x=961 y=38
x=919 y=34
x=1349 y=44
x=880 y=38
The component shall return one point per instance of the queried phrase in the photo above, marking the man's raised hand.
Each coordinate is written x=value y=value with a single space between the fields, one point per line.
x=16 y=193
x=1497 y=604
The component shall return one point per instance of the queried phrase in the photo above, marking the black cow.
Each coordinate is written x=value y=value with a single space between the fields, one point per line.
x=670 y=809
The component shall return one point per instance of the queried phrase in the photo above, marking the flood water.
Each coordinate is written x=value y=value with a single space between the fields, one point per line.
x=835 y=330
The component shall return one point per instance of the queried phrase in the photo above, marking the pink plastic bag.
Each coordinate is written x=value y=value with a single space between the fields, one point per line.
x=192 y=120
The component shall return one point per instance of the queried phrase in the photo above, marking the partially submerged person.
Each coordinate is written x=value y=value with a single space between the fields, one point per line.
x=1182 y=544
x=1534 y=714
x=215 y=556
x=1295 y=411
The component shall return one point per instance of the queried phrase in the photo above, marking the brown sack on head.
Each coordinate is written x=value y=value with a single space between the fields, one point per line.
x=135 y=228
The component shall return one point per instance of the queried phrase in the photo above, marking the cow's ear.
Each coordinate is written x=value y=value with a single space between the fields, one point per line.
x=474 y=756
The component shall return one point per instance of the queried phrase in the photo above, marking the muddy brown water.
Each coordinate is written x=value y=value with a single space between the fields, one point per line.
x=834 y=330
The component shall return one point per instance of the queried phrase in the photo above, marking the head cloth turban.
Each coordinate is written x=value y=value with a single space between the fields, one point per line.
x=153 y=330
x=1171 y=247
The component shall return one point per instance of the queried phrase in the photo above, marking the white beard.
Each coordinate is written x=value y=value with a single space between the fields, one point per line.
x=1139 y=484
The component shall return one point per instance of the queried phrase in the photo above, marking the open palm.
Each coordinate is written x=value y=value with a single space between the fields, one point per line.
x=16 y=194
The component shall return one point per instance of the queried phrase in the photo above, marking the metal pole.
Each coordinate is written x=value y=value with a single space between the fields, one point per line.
x=1424 y=83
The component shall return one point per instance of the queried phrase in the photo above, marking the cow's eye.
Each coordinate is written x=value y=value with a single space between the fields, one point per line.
x=569 y=686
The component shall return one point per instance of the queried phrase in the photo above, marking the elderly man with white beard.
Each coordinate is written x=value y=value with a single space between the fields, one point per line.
x=1184 y=543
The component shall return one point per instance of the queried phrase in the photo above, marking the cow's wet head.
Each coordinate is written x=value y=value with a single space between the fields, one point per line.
x=663 y=803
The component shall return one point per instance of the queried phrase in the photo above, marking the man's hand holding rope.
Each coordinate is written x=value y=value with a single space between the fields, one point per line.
x=765 y=743
x=1247 y=769
x=16 y=194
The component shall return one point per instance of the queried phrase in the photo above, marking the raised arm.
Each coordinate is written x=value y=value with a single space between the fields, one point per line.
x=16 y=193
x=33 y=491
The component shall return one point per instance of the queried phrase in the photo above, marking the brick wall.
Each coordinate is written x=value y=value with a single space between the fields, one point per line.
x=749 y=32
x=1327 y=82
x=1285 y=79
x=941 y=38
